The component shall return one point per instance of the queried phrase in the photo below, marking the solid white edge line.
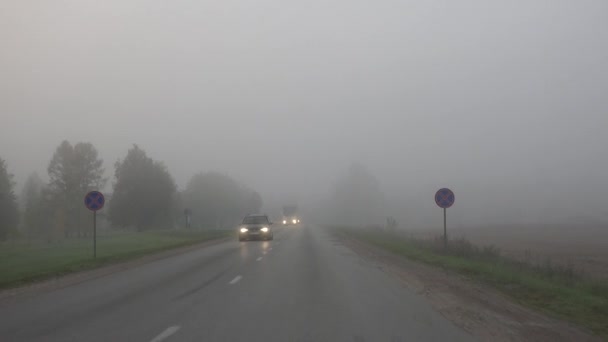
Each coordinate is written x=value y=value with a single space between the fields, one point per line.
x=168 y=332
x=258 y=259
x=235 y=280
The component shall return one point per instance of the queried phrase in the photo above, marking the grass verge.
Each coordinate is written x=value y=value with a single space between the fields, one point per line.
x=24 y=262
x=552 y=289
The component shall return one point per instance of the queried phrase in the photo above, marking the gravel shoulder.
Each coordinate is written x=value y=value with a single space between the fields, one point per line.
x=478 y=309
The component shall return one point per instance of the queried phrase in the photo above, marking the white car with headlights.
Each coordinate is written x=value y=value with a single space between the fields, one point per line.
x=255 y=227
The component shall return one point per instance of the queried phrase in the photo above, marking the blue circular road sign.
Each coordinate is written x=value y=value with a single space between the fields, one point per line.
x=445 y=198
x=94 y=200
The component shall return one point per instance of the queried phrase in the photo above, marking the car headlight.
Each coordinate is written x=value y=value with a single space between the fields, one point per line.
x=284 y=221
x=294 y=221
x=264 y=229
x=244 y=230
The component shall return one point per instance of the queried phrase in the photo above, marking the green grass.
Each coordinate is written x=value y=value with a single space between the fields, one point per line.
x=23 y=262
x=554 y=290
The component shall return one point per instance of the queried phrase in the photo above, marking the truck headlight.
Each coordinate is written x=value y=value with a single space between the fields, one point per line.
x=264 y=229
x=244 y=230
x=294 y=221
x=284 y=221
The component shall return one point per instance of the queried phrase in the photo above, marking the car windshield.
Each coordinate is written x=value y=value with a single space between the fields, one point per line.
x=255 y=220
x=289 y=211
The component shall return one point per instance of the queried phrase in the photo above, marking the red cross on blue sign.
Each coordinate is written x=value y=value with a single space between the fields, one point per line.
x=94 y=200
x=445 y=198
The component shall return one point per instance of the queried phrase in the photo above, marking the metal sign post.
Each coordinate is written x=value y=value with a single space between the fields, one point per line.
x=95 y=234
x=445 y=198
x=94 y=201
x=445 y=228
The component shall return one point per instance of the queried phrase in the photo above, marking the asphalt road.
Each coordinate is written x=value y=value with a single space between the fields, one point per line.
x=303 y=286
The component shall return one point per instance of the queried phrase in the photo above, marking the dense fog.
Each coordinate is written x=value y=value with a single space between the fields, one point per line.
x=353 y=110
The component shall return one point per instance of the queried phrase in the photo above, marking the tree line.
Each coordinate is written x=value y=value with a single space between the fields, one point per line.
x=357 y=199
x=144 y=196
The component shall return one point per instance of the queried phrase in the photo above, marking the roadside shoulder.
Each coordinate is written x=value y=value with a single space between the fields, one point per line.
x=17 y=293
x=478 y=309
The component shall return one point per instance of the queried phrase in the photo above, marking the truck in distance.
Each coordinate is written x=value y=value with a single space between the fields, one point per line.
x=290 y=215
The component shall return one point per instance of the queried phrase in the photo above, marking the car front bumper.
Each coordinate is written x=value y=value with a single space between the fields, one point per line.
x=254 y=236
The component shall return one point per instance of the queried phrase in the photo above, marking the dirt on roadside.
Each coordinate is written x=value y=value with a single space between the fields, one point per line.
x=480 y=310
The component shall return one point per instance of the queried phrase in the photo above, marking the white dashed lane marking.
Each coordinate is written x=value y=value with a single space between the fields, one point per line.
x=235 y=280
x=168 y=332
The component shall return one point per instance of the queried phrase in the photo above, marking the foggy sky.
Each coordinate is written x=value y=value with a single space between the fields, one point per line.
x=505 y=102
